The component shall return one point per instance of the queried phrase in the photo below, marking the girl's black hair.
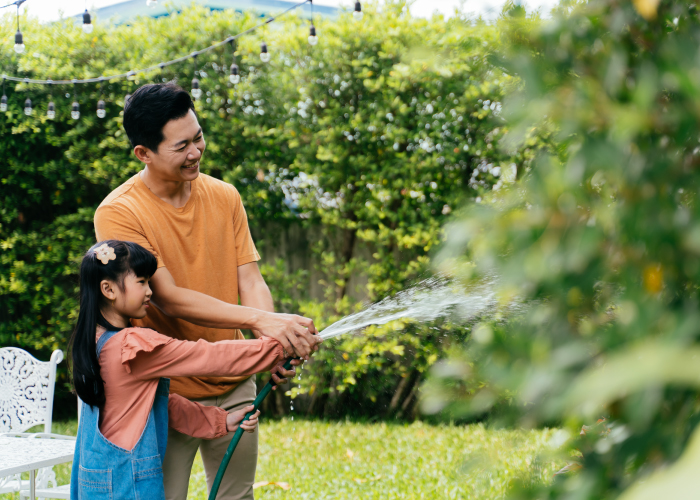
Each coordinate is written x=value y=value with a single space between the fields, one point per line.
x=131 y=258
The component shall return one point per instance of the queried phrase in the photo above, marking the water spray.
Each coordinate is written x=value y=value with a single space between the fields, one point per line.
x=427 y=301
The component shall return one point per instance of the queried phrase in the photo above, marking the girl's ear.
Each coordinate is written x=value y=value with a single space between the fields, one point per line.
x=107 y=289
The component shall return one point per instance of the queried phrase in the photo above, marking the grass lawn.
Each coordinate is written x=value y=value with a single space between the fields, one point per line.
x=343 y=460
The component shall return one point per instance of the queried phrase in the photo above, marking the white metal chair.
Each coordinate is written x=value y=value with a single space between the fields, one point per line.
x=26 y=400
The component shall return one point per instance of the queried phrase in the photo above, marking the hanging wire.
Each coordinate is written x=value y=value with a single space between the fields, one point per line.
x=17 y=3
x=157 y=66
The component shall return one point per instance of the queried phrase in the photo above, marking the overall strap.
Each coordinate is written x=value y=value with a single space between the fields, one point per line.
x=103 y=340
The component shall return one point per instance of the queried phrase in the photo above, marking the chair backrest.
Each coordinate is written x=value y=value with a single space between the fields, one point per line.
x=26 y=389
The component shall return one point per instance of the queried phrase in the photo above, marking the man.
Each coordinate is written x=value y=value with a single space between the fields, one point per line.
x=197 y=228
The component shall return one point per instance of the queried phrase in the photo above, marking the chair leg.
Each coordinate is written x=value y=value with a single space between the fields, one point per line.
x=45 y=478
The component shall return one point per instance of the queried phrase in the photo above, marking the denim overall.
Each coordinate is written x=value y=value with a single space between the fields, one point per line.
x=103 y=470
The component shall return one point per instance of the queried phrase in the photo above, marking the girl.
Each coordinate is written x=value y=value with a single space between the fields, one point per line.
x=118 y=374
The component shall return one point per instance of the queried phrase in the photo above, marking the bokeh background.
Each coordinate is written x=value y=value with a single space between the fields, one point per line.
x=557 y=151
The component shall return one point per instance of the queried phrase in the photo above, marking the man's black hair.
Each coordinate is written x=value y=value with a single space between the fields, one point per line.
x=150 y=108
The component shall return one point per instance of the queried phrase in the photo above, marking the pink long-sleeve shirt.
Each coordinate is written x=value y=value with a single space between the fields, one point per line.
x=132 y=362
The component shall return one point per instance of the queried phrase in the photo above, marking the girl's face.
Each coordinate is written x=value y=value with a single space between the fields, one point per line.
x=132 y=300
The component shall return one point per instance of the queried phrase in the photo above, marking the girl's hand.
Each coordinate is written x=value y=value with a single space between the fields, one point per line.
x=234 y=418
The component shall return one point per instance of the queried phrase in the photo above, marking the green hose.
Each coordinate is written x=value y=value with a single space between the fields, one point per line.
x=239 y=432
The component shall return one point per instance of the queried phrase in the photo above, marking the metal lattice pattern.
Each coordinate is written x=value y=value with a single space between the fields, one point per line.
x=24 y=390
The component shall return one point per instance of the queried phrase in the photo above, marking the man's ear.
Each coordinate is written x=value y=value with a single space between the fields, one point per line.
x=144 y=154
x=107 y=289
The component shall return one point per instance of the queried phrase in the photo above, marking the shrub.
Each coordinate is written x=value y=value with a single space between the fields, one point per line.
x=366 y=142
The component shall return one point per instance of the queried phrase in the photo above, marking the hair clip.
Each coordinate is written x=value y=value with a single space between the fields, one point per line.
x=104 y=253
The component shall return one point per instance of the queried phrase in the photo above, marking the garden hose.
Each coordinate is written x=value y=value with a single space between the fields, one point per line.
x=239 y=432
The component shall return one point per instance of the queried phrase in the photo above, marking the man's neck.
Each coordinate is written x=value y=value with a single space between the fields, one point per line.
x=172 y=192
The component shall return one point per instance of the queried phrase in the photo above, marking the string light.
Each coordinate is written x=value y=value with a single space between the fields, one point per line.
x=151 y=3
x=51 y=109
x=196 y=91
x=28 y=102
x=3 y=99
x=87 y=22
x=88 y=27
x=313 y=39
x=264 y=54
x=75 y=108
x=235 y=76
x=358 y=11
x=19 y=41
x=101 y=111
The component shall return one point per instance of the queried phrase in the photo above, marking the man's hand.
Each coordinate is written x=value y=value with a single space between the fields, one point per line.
x=298 y=335
x=234 y=419
x=280 y=375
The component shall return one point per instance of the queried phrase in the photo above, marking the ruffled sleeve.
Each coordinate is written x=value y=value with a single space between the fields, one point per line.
x=138 y=340
x=196 y=420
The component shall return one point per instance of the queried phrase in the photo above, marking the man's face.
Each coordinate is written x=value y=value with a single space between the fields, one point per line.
x=178 y=155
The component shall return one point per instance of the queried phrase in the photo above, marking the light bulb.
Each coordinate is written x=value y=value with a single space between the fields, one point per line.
x=87 y=22
x=28 y=107
x=264 y=54
x=196 y=91
x=151 y=3
x=75 y=111
x=3 y=103
x=235 y=76
x=19 y=43
x=358 y=11
x=101 y=113
x=51 y=111
x=313 y=39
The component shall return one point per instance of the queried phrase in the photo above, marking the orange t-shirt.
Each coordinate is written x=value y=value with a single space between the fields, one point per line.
x=202 y=244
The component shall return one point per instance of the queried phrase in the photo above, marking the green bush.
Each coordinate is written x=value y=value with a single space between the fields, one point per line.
x=367 y=141
x=600 y=245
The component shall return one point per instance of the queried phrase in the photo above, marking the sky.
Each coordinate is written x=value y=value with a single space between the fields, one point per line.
x=49 y=10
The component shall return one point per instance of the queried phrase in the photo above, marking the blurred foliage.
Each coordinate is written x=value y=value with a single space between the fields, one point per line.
x=367 y=140
x=599 y=244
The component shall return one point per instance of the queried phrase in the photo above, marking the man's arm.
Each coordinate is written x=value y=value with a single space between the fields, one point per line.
x=294 y=332
x=255 y=293
x=253 y=290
